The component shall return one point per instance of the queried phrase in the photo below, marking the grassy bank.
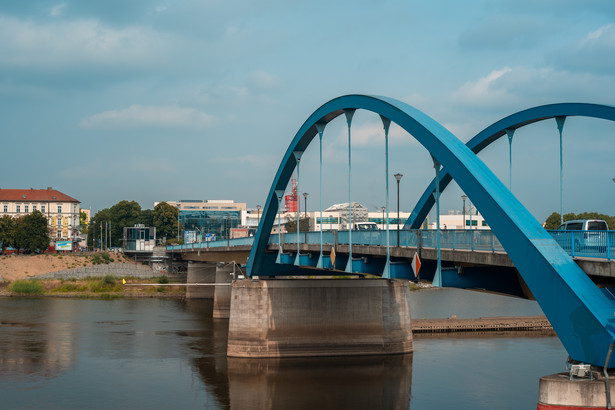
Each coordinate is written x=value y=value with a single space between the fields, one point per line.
x=107 y=287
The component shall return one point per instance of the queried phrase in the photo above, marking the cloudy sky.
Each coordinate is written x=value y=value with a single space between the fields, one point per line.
x=164 y=100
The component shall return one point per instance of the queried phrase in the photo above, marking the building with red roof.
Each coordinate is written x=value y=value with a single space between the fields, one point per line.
x=61 y=210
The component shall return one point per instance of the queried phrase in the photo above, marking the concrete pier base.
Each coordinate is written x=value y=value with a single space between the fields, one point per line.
x=222 y=294
x=557 y=391
x=319 y=317
x=200 y=272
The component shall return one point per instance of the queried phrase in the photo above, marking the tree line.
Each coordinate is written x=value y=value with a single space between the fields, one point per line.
x=29 y=232
x=110 y=222
x=553 y=220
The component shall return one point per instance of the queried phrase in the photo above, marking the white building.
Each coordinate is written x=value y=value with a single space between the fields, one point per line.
x=61 y=210
x=456 y=220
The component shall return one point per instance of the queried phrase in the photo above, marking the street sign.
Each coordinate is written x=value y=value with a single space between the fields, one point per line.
x=416 y=264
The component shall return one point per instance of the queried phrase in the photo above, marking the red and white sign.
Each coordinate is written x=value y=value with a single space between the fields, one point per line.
x=416 y=264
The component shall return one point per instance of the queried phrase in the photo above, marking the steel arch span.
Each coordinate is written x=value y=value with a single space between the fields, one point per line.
x=580 y=313
x=497 y=130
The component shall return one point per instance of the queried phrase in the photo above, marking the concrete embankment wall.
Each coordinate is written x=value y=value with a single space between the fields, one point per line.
x=114 y=269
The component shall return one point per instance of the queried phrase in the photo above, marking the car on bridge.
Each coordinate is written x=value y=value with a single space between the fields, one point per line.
x=585 y=235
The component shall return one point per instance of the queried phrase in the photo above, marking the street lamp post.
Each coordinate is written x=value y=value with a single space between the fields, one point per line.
x=305 y=195
x=258 y=215
x=398 y=178
x=464 y=197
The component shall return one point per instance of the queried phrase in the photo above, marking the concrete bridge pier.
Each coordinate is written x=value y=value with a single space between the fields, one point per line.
x=319 y=317
x=559 y=391
x=200 y=272
x=222 y=291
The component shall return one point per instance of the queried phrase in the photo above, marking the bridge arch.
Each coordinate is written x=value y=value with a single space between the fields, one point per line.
x=579 y=312
x=497 y=130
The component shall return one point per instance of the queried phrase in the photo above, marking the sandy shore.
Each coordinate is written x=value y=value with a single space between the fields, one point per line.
x=14 y=267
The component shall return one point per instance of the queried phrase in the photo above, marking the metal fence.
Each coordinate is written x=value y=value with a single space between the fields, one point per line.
x=594 y=244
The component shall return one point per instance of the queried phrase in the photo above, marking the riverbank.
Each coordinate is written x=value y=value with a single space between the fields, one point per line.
x=482 y=324
x=17 y=267
x=106 y=287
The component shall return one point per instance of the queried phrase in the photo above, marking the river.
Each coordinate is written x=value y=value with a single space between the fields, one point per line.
x=159 y=353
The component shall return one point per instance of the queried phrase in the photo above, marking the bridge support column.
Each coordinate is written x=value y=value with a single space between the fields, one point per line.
x=222 y=292
x=200 y=272
x=319 y=317
x=557 y=391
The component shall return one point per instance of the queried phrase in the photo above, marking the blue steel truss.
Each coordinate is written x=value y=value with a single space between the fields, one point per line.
x=580 y=313
x=497 y=130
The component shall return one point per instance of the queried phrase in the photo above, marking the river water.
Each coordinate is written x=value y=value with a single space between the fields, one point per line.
x=157 y=353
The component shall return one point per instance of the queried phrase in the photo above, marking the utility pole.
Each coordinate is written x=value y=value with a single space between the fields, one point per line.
x=398 y=178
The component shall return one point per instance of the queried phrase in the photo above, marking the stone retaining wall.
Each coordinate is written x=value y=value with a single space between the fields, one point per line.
x=114 y=269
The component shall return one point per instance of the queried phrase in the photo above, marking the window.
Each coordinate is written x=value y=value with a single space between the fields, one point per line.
x=18 y=207
x=473 y=222
x=485 y=223
x=43 y=208
x=26 y=208
x=59 y=209
x=33 y=208
x=59 y=234
x=6 y=208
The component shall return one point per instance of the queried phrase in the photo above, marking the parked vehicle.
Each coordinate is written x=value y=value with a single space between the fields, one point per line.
x=365 y=226
x=592 y=233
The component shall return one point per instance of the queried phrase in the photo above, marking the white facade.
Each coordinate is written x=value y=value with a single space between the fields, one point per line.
x=456 y=221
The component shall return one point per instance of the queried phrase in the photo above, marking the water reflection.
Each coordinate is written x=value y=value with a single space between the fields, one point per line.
x=209 y=344
x=153 y=353
x=373 y=382
x=36 y=342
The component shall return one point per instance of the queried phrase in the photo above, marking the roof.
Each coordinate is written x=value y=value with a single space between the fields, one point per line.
x=34 y=195
x=344 y=207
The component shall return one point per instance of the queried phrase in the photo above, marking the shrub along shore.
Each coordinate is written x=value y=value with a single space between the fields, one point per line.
x=106 y=287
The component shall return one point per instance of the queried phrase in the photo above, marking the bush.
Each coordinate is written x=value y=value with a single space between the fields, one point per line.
x=108 y=280
x=163 y=279
x=69 y=287
x=100 y=258
x=27 y=287
x=105 y=284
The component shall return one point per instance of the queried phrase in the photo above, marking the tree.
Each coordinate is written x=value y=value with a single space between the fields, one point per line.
x=123 y=214
x=7 y=231
x=147 y=217
x=553 y=220
x=164 y=218
x=96 y=227
x=291 y=225
x=32 y=232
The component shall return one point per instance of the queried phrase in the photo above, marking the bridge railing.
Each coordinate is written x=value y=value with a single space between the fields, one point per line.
x=594 y=244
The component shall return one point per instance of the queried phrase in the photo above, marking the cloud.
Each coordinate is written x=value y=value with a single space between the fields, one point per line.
x=371 y=134
x=498 y=34
x=137 y=116
x=64 y=45
x=484 y=91
x=592 y=54
x=263 y=80
x=251 y=160
x=58 y=10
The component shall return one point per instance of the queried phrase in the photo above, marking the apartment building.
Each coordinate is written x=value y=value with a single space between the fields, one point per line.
x=61 y=210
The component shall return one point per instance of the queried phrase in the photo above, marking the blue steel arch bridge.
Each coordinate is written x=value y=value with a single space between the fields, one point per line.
x=580 y=313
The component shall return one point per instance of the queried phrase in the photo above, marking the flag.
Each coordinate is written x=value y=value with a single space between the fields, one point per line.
x=123 y=281
x=333 y=258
